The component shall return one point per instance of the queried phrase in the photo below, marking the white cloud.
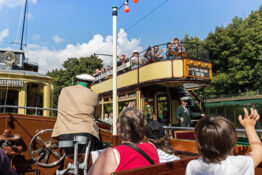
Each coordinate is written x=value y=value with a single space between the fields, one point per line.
x=30 y=16
x=14 y=3
x=36 y=37
x=58 y=39
x=4 y=33
x=49 y=59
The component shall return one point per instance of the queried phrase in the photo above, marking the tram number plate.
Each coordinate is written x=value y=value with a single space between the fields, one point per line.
x=198 y=72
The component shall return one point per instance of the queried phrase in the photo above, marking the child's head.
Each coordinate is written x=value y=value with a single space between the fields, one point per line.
x=216 y=138
x=155 y=134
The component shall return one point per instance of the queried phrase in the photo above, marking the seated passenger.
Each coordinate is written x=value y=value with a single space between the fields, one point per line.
x=168 y=49
x=155 y=134
x=216 y=138
x=102 y=70
x=149 y=56
x=96 y=73
x=136 y=60
x=121 y=60
x=131 y=128
x=78 y=110
x=157 y=54
x=108 y=68
x=179 y=48
x=5 y=164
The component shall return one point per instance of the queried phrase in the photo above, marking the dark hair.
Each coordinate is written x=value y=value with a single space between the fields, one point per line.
x=131 y=125
x=215 y=137
x=176 y=39
x=147 y=51
x=163 y=143
x=168 y=44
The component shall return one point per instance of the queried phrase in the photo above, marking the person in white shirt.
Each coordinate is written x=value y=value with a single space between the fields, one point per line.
x=155 y=134
x=216 y=138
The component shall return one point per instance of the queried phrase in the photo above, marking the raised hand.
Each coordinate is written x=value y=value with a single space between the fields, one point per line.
x=249 y=120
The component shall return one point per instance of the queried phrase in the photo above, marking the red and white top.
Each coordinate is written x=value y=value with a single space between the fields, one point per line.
x=130 y=158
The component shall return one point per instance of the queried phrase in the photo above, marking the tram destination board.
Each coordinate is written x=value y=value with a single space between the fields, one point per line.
x=198 y=72
x=11 y=83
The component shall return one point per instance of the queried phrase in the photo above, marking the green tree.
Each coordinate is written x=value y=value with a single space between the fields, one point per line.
x=72 y=67
x=236 y=54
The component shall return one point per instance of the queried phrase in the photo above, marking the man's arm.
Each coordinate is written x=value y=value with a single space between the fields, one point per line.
x=249 y=123
x=179 y=114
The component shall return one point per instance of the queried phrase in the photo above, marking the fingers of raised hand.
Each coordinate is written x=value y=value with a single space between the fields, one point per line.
x=240 y=119
x=245 y=112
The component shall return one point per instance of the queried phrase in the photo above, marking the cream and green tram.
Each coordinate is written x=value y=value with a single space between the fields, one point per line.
x=155 y=87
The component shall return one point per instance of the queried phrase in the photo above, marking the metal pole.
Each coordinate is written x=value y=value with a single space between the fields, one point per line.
x=114 y=14
x=22 y=38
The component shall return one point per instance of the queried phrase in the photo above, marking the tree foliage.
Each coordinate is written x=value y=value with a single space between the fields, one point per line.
x=236 y=54
x=71 y=67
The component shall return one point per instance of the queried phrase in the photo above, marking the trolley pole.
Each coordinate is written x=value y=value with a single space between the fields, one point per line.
x=114 y=13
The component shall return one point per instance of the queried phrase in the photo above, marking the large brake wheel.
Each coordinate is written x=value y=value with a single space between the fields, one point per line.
x=44 y=150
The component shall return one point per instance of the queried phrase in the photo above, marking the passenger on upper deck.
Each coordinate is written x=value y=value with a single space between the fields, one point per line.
x=102 y=70
x=131 y=128
x=78 y=110
x=97 y=73
x=155 y=134
x=108 y=68
x=149 y=56
x=178 y=47
x=157 y=54
x=121 y=60
x=168 y=49
x=216 y=138
x=135 y=60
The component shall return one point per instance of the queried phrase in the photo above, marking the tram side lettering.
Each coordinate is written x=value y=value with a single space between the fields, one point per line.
x=194 y=71
x=11 y=83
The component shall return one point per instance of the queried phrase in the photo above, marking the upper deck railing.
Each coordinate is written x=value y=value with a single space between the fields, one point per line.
x=193 y=51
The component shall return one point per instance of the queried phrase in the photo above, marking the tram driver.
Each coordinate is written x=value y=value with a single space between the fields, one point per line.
x=78 y=110
x=184 y=114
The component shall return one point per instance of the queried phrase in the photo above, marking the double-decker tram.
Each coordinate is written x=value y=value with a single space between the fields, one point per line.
x=157 y=86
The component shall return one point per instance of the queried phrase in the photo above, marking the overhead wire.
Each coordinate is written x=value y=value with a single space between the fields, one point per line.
x=135 y=23
x=149 y=13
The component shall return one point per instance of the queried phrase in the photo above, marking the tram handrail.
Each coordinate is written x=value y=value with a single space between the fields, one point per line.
x=192 y=129
x=27 y=107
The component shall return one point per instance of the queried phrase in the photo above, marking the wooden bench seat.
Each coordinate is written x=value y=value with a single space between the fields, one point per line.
x=175 y=167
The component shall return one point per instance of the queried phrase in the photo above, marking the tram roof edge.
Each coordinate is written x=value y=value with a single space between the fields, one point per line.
x=24 y=72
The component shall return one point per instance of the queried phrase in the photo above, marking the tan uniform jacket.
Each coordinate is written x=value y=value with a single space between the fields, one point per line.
x=78 y=110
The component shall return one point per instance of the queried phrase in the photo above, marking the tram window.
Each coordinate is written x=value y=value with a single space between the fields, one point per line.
x=132 y=95
x=148 y=109
x=122 y=96
x=108 y=108
x=162 y=104
x=122 y=104
x=34 y=98
x=9 y=97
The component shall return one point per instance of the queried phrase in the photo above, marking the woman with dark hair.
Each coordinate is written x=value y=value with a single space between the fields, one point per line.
x=131 y=128
x=155 y=134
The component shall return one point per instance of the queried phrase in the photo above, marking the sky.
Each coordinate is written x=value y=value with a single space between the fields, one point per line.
x=60 y=29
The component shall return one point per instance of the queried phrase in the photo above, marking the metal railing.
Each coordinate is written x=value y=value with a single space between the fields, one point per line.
x=192 y=129
x=193 y=51
x=27 y=107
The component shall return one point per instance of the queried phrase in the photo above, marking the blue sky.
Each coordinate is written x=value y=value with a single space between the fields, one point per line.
x=58 y=29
